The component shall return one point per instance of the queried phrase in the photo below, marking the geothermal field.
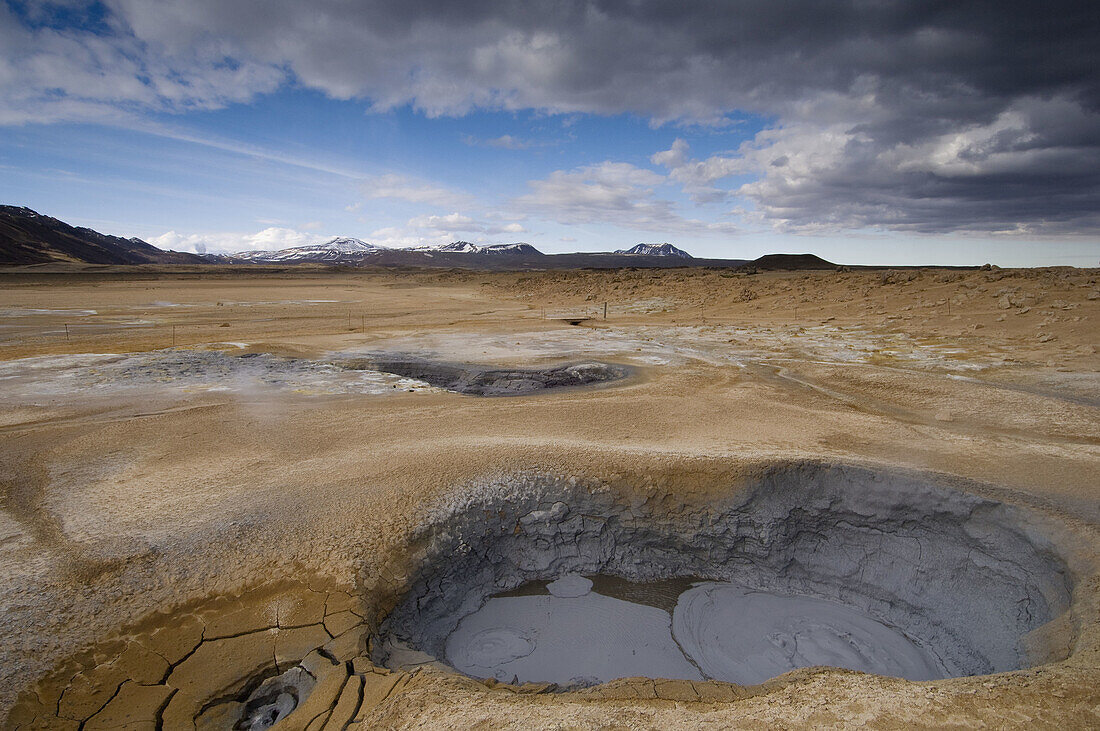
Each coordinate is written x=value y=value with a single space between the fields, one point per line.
x=307 y=498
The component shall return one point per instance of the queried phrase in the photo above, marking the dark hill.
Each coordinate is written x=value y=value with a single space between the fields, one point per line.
x=777 y=262
x=27 y=237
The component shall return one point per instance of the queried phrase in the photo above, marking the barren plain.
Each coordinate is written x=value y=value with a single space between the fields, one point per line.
x=206 y=487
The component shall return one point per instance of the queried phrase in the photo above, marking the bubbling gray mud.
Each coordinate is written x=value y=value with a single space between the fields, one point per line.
x=747 y=637
x=571 y=636
x=275 y=699
x=718 y=631
x=894 y=572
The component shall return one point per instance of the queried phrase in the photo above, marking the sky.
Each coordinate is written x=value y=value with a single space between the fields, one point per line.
x=865 y=131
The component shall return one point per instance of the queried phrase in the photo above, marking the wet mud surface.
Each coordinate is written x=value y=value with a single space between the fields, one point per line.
x=568 y=632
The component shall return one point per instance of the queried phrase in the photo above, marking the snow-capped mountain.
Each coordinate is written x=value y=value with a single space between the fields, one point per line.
x=458 y=247
x=334 y=250
x=466 y=247
x=510 y=249
x=656 y=250
x=353 y=252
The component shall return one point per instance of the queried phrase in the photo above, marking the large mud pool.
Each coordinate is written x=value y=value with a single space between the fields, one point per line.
x=884 y=574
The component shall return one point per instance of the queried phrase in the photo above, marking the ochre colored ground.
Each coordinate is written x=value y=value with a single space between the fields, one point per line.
x=130 y=512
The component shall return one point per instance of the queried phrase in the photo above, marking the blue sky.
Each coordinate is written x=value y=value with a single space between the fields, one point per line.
x=224 y=127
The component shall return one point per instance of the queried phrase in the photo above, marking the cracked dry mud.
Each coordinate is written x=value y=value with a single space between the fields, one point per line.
x=295 y=558
x=204 y=666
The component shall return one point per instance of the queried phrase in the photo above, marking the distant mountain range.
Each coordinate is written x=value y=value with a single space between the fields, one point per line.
x=465 y=247
x=27 y=237
x=336 y=251
x=466 y=255
x=354 y=252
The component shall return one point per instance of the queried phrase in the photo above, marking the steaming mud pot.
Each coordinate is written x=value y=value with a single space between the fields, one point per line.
x=886 y=574
x=182 y=370
x=214 y=369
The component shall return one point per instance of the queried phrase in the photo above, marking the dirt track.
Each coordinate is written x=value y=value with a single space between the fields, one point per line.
x=123 y=497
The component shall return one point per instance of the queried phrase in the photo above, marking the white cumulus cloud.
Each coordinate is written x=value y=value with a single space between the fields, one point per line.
x=615 y=193
x=270 y=238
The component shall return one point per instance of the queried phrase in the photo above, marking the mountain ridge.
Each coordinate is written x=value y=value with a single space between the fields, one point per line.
x=29 y=237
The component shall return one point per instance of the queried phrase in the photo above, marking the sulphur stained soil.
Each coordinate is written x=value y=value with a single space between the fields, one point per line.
x=125 y=509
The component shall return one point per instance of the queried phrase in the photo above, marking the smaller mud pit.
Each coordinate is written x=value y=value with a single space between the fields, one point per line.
x=484 y=381
x=283 y=656
x=197 y=370
x=891 y=574
x=192 y=370
x=274 y=699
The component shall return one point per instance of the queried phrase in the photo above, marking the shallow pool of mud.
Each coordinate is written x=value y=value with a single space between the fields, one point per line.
x=586 y=630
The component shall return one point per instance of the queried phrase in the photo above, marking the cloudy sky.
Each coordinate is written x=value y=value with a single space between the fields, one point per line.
x=867 y=131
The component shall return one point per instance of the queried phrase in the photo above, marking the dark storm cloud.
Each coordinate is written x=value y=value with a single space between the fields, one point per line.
x=928 y=116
